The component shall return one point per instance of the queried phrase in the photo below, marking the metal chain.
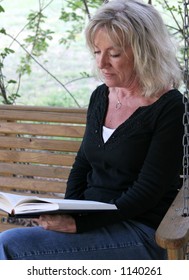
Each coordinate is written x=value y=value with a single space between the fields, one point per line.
x=186 y=113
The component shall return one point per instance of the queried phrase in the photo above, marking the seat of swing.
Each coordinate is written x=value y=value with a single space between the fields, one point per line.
x=173 y=232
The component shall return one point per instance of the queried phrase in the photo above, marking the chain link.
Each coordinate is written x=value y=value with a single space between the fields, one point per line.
x=186 y=113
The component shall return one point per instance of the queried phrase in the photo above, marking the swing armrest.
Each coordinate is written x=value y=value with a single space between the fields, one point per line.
x=173 y=231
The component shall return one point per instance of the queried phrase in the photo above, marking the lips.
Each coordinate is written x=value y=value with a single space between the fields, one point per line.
x=107 y=75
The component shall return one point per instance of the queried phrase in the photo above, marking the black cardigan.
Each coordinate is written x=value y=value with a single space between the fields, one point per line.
x=137 y=168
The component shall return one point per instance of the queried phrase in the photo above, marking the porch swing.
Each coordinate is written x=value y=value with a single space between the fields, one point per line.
x=173 y=232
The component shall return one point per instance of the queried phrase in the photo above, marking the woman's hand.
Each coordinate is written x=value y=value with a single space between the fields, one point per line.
x=62 y=223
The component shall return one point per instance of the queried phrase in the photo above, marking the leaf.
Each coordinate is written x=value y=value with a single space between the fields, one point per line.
x=3 y=31
x=8 y=50
x=1 y=9
x=84 y=74
x=12 y=82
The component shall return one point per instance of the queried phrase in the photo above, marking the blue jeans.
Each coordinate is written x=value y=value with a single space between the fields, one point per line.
x=124 y=241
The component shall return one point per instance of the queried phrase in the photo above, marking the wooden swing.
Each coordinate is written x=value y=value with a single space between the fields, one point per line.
x=173 y=232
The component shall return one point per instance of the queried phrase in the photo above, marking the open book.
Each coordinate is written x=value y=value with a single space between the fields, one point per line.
x=31 y=206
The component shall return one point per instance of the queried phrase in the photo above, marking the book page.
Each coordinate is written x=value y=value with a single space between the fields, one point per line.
x=30 y=204
x=15 y=199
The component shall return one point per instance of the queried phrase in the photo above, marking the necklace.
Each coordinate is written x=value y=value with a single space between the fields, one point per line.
x=118 y=103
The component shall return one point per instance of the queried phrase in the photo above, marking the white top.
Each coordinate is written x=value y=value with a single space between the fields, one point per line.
x=107 y=132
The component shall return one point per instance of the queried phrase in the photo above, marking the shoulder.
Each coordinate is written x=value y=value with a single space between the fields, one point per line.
x=98 y=97
x=170 y=108
x=173 y=99
x=100 y=91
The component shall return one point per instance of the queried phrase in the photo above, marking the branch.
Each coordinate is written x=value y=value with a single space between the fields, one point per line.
x=37 y=26
x=172 y=14
x=19 y=82
x=2 y=88
x=77 y=79
x=55 y=78
x=87 y=9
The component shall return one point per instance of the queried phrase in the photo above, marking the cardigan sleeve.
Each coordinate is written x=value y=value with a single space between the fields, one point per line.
x=77 y=180
x=77 y=183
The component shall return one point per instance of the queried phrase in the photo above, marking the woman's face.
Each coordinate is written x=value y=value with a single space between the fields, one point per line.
x=116 y=65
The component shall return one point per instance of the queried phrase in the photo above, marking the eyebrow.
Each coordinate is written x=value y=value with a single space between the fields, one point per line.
x=109 y=49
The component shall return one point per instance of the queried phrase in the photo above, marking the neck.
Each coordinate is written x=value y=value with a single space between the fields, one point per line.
x=120 y=96
x=125 y=93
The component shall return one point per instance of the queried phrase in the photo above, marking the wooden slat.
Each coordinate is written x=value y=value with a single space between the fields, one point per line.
x=36 y=157
x=173 y=232
x=43 y=116
x=35 y=109
x=5 y=226
x=34 y=170
x=13 y=183
x=39 y=144
x=42 y=129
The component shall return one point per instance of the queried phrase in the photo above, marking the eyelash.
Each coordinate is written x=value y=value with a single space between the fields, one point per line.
x=112 y=55
x=96 y=52
x=115 y=55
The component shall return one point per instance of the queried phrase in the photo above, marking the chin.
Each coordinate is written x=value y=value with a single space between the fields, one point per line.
x=111 y=83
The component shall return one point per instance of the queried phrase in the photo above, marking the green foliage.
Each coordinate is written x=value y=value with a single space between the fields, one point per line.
x=176 y=12
x=6 y=52
x=38 y=40
x=25 y=65
x=7 y=98
x=1 y=9
x=76 y=13
x=3 y=31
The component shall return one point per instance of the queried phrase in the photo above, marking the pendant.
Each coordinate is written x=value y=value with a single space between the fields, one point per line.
x=118 y=105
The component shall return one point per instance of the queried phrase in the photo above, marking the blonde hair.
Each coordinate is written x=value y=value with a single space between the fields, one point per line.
x=134 y=23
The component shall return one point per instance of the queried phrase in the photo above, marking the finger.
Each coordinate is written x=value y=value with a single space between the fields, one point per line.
x=36 y=220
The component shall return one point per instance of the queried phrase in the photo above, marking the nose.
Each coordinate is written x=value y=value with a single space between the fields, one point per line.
x=102 y=61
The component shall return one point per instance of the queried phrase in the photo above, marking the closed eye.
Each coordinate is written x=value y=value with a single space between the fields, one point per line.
x=115 y=55
x=96 y=52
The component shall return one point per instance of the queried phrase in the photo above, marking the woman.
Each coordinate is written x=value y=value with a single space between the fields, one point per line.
x=131 y=153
